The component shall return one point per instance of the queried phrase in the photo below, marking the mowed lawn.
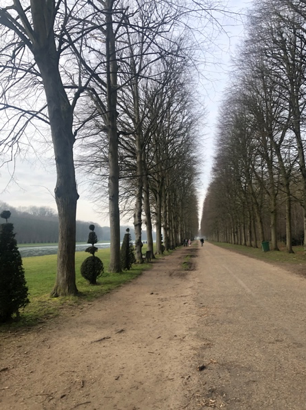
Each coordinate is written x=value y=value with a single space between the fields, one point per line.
x=40 y=274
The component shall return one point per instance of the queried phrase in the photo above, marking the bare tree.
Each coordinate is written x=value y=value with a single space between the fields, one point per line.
x=142 y=38
x=271 y=98
x=282 y=50
x=33 y=41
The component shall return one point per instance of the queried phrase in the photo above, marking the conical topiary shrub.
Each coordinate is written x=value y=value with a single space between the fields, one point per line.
x=92 y=267
x=13 y=289
x=127 y=252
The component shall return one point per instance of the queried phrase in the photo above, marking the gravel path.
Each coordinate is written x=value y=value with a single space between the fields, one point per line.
x=253 y=333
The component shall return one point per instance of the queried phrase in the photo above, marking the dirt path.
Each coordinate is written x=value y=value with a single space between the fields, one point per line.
x=132 y=349
x=240 y=320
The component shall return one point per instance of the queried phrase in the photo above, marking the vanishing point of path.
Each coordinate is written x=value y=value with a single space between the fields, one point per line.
x=230 y=333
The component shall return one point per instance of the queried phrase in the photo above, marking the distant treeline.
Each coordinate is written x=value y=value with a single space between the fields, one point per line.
x=40 y=225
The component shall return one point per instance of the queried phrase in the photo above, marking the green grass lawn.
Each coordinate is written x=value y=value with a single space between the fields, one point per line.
x=40 y=274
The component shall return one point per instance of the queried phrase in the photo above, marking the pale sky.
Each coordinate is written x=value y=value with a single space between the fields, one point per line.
x=218 y=73
x=34 y=177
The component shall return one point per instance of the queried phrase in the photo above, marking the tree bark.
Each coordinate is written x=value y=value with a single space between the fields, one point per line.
x=165 y=219
x=147 y=210
x=139 y=191
x=158 y=222
x=113 y=181
x=273 y=218
x=288 y=221
x=61 y=118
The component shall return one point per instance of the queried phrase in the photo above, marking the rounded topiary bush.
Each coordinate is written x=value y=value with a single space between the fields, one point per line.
x=91 y=269
x=5 y=215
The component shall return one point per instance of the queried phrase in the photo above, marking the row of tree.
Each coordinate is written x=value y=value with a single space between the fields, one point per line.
x=258 y=191
x=111 y=77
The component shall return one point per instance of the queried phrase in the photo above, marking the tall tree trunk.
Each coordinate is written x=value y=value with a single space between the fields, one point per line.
x=255 y=242
x=147 y=210
x=139 y=192
x=250 y=227
x=138 y=221
x=295 y=86
x=273 y=202
x=302 y=166
x=285 y=172
x=257 y=210
x=273 y=218
x=65 y=191
x=244 y=230
x=288 y=221
x=139 y=142
x=111 y=118
x=165 y=219
x=61 y=118
x=172 y=233
x=158 y=222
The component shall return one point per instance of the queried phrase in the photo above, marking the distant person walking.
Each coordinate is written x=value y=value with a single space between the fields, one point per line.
x=202 y=241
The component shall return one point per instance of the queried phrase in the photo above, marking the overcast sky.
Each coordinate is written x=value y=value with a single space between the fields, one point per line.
x=34 y=176
x=218 y=74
